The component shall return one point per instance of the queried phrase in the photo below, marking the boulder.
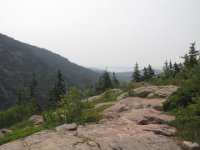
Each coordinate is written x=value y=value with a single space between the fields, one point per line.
x=191 y=145
x=143 y=121
x=3 y=132
x=36 y=120
x=67 y=127
x=122 y=96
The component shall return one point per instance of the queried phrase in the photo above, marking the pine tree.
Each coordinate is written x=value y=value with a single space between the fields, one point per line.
x=191 y=59
x=150 y=72
x=193 y=54
x=32 y=88
x=104 y=82
x=58 y=90
x=19 y=97
x=32 y=95
x=115 y=82
x=186 y=62
x=136 y=74
x=176 y=69
x=166 y=70
x=145 y=74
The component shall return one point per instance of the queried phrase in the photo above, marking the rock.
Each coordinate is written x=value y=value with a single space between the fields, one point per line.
x=162 y=91
x=3 y=132
x=191 y=145
x=114 y=146
x=92 y=144
x=93 y=98
x=154 y=119
x=103 y=121
x=36 y=120
x=132 y=124
x=150 y=95
x=104 y=104
x=116 y=91
x=122 y=96
x=143 y=121
x=67 y=127
x=162 y=132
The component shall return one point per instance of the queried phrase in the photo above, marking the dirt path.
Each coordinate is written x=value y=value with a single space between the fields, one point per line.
x=130 y=124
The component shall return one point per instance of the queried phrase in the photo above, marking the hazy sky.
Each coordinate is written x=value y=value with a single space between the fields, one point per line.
x=100 y=33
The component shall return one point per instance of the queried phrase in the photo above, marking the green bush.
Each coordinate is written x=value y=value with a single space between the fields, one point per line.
x=69 y=109
x=16 y=114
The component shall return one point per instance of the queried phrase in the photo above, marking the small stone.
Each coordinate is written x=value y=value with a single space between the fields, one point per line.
x=67 y=127
x=191 y=145
x=36 y=120
x=122 y=96
x=71 y=127
x=3 y=132
x=143 y=121
x=114 y=146
x=92 y=144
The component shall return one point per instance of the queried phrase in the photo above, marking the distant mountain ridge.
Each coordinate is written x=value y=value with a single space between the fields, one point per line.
x=124 y=76
x=18 y=61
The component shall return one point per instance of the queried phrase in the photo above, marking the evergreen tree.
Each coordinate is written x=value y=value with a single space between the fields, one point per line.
x=193 y=54
x=104 y=82
x=32 y=95
x=176 y=69
x=32 y=88
x=166 y=70
x=136 y=74
x=58 y=90
x=150 y=72
x=186 y=62
x=145 y=74
x=19 y=97
x=115 y=82
x=191 y=59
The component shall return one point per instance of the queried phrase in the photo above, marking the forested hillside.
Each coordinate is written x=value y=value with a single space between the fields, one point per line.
x=20 y=61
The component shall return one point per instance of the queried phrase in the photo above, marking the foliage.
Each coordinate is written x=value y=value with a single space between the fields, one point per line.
x=58 y=90
x=21 y=133
x=136 y=74
x=68 y=110
x=115 y=82
x=104 y=82
x=185 y=102
x=16 y=114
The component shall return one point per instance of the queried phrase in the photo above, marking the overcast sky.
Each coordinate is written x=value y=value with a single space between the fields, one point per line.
x=100 y=33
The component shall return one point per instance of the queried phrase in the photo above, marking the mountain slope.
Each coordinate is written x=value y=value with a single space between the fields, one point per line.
x=18 y=61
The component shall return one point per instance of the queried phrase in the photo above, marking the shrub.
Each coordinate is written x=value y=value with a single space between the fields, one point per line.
x=69 y=109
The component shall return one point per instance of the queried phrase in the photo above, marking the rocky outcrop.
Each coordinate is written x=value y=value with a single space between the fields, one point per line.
x=130 y=124
x=162 y=91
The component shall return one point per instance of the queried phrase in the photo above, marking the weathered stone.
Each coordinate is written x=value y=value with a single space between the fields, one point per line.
x=36 y=120
x=143 y=121
x=3 y=132
x=191 y=145
x=122 y=96
x=93 y=98
x=67 y=127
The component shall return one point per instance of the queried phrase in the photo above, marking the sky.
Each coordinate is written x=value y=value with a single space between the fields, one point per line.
x=106 y=33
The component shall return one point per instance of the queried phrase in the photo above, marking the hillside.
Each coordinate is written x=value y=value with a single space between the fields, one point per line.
x=18 y=61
